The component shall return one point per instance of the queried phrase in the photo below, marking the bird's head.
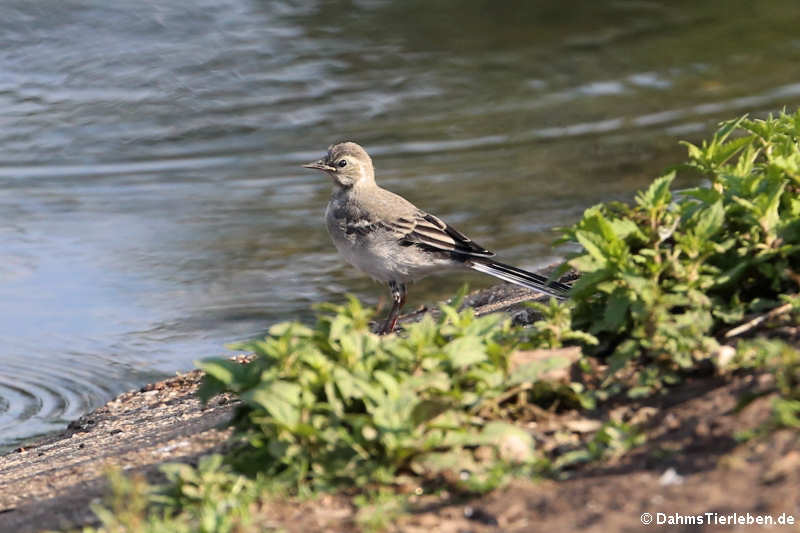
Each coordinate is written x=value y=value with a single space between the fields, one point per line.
x=346 y=163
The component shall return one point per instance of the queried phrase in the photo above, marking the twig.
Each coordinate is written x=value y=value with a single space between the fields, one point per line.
x=510 y=393
x=747 y=326
x=494 y=403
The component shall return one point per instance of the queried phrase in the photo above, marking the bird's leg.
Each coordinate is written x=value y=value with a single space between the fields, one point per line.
x=398 y=299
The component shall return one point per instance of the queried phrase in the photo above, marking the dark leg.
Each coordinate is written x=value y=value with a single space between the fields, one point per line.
x=398 y=299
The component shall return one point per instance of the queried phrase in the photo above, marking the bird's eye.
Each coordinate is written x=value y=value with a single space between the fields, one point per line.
x=342 y=163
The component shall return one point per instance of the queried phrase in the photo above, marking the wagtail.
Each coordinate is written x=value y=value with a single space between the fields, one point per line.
x=388 y=238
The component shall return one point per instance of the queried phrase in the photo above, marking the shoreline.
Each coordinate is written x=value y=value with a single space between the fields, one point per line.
x=691 y=461
x=138 y=430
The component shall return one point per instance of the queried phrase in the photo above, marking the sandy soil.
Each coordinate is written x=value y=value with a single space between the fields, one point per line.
x=691 y=464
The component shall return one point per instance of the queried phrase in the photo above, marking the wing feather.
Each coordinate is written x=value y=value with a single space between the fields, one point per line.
x=421 y=229
x=433 y=233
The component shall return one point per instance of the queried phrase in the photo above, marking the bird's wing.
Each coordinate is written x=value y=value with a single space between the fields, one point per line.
x=433 y=233
x=410 y=225
x=422 y=229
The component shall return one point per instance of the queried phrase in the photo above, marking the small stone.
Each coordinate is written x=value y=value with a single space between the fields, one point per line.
x=479 y=515
x=515 y=448
x=670 y=477
x=722 y=356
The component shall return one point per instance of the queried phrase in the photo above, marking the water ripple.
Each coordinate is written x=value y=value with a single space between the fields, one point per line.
x=38 y=396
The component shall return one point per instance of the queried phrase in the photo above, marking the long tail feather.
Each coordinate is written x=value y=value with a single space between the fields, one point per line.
x=520 y=277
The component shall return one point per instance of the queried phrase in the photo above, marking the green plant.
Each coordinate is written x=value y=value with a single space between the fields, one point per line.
x=667 y=272
x=783 y=362
x=377 y=509
x=125 y=508
x=209 y=498
x=613 y=439
x=219 y=497
x=336 y=405
x=554 y=328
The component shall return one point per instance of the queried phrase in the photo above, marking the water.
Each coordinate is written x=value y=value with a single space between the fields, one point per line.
x=152 y=204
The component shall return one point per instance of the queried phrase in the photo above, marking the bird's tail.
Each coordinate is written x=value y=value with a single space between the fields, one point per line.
x=520 y=277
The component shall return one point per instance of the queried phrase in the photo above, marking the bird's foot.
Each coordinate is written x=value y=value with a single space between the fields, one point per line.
x=388 y=326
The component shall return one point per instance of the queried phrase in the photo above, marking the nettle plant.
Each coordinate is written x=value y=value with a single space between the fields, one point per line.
x=336 y=405
x=659 y=278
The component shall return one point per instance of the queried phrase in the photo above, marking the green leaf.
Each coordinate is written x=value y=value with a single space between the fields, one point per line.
x=594 y=244
x=209 y=388
x=465 y=351
x=278 y=398
x=346 y=384
x=710 y=221
x=727 y=127
x=616 y=311
x=388 y=381
x=706 y=196
x=694 y=151
x=770 y=219
x=339 y=326
x=725 y=151
x=225 y=370
x=587 y=283
x=458 y=300
x=734 y=273
x=625 y=228
x=532 y=371
x=449 y=314
x=426 y=410
x=657 y=195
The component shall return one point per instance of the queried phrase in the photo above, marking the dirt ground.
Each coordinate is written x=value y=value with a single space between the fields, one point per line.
x=691 y=464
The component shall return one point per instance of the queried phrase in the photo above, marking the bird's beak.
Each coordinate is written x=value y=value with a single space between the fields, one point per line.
x=320 y=165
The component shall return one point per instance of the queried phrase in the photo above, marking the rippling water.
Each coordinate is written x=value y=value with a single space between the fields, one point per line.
x=152 y=207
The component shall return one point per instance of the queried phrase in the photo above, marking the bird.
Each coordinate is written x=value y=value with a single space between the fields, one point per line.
x=391 y=240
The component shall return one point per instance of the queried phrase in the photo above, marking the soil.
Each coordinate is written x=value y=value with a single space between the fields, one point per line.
x=692 y=463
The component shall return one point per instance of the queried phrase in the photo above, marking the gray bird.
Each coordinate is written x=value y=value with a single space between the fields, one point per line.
x=387 y=237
